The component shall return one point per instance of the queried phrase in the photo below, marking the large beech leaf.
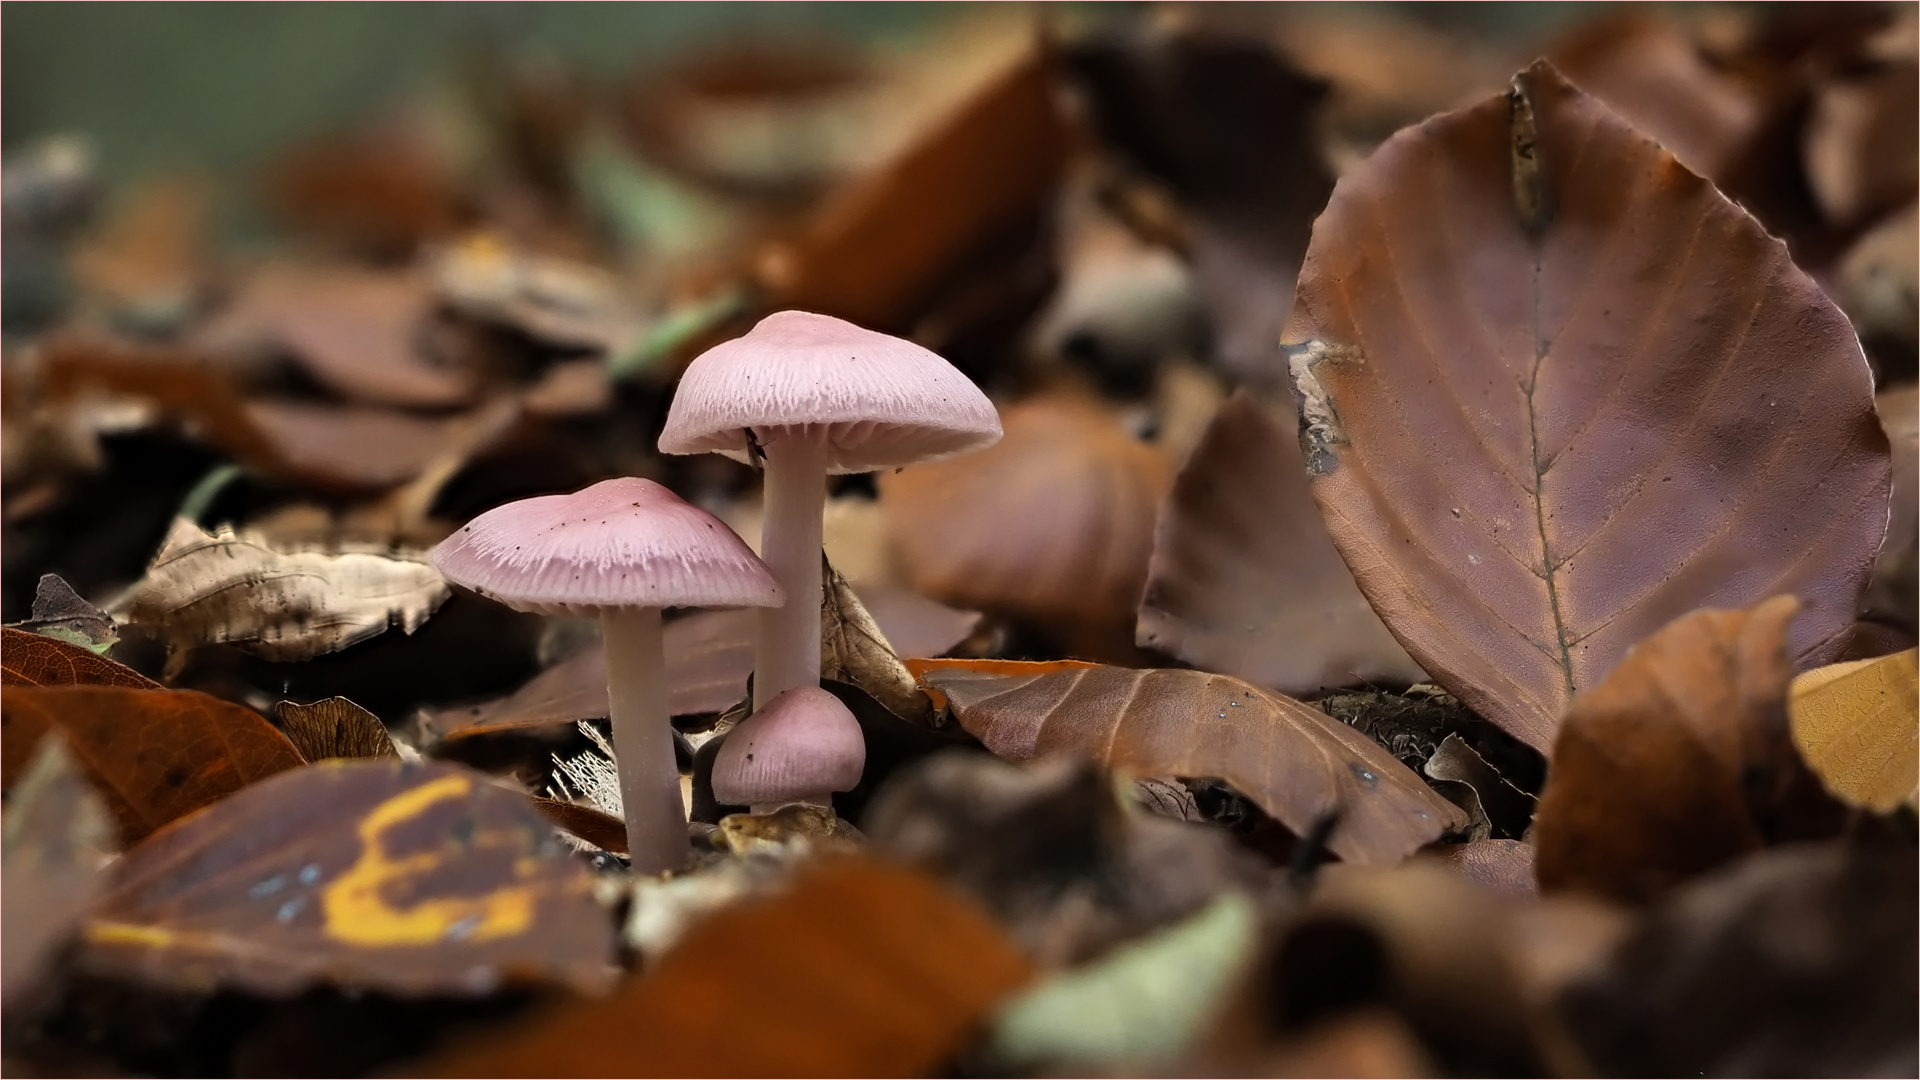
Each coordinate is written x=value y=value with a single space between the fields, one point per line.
x=155 y=755
x=1243 y=579
x=373 y=874
x=1679 y=762
x=35 y=660
x=1556 y=391
x=1295 y=761
x=860 y=969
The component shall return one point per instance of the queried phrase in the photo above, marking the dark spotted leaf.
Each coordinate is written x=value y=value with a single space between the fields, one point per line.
x=416 y=879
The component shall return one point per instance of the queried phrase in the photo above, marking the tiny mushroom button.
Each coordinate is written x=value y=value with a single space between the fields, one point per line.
x=620 y=550
x=804 y=745
x=817 y=395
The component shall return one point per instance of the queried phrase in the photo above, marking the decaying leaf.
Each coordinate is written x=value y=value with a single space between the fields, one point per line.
x=1294 y=761
x=879 y=251
x=1681 y=760
x=333 y=447
x=418 y=879
x=1243 y=579
x=563 y=304
x=59 y=612
x=709 y=655
x=595 y=826
x=358 y=332
x=36 y=660
x=1648 y=70
x=334 y=728
x=861 y=969
x=1504 y=405
x=1794 y=962
x=1054 y=523
x=1489 y=799
x=225 y=587
x=57 y=837
x=853 y=649
x=1054 y=851
x=1501 y=865
x=1228 y=126
x=794 y=829
x=1858 y=724
x=1145 y=1000
x=154 y=755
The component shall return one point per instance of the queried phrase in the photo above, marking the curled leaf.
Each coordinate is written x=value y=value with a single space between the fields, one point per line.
x=283 y=605
x=1296 y=762
x=1680 y=761
x=334 y=728
x=59 y=612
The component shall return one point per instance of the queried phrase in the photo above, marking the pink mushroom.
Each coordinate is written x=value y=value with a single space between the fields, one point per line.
x=817 y=395
x=802 y=746
x=620 y=550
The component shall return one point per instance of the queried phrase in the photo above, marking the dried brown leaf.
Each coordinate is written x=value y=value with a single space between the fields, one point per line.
x=35 y=660
x=1244 y=580
x=418 y=879
x=881 y=250
x=225 y=587
x=57 y=837
x=334 y=728
x=154 y=755
x=1294 y=761
x=860 y=969
x=1054 y=523
x=59 y=612
x=1681 y=760
x=853 y=649
x=358 y=332
x=1590 y=348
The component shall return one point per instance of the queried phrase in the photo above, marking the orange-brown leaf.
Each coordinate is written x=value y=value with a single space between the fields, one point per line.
x=35 y=660
x=412 y=879
x=1585 y=397
x=1295 y=761
x=1682 y=760
x=861 y=969
x=878 y=253
x=154 y=755
x=1054 y=523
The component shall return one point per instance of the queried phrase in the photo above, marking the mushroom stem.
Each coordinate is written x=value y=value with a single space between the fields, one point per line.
x=643 y=739
x=786 y=647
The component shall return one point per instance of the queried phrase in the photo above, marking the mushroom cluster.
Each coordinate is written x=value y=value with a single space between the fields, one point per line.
x=807 y=395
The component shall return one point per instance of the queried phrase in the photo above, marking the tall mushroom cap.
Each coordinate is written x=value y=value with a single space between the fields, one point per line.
x=803 y=743
x=624 y=543
x=883 y=401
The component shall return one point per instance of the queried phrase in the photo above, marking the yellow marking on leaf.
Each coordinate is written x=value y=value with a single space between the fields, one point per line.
x=357 y=914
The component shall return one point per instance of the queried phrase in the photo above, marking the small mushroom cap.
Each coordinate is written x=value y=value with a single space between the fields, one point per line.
x=625 y=543
x=882 y=401
x=802 y=743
